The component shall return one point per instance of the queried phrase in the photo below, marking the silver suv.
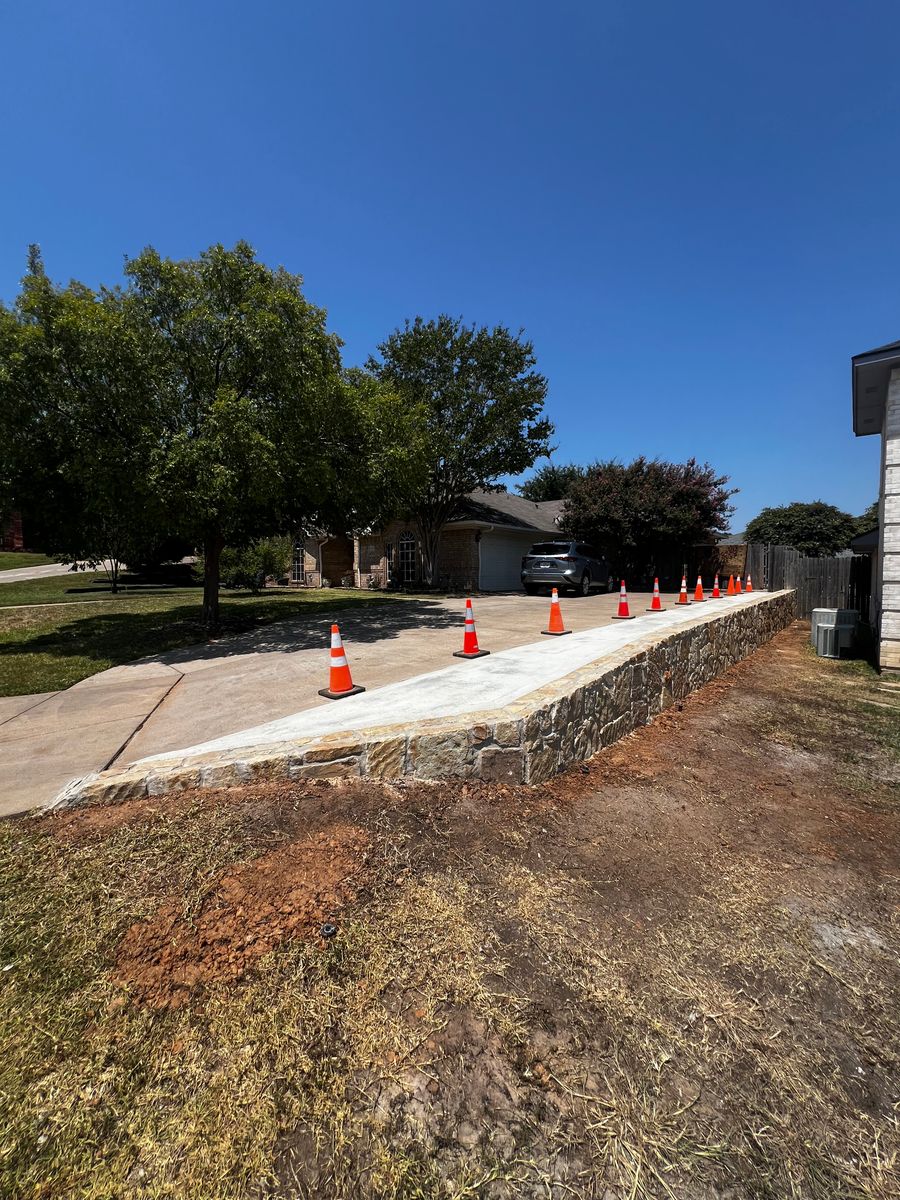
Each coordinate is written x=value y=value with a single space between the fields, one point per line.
x=573 y=565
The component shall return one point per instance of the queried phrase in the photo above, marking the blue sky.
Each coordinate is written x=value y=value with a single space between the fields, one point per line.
x=692 y=209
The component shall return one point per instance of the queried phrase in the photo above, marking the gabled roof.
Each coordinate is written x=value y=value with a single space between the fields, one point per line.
x=515 y=512
x=871 y=373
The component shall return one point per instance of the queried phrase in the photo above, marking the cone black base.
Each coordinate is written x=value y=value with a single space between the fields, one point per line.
x=340 y=695
x=618 y=618
x=655 y=610
x=555 y=632
x=477 y=654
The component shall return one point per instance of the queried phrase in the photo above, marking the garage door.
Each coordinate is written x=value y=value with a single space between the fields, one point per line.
x=501 y=560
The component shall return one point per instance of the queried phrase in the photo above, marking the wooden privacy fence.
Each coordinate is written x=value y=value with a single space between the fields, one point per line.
x=819 y=582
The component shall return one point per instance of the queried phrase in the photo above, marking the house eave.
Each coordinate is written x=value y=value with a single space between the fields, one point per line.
x=871 y=373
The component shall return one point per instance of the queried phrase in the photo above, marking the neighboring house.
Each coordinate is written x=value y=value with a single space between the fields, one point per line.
x=481 y=549
x=11 y=533
x=319 y=560
x=876 y=409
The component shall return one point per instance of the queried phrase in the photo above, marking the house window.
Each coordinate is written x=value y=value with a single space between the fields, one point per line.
x=298 y=575
x=389 y=559
x=406 y=558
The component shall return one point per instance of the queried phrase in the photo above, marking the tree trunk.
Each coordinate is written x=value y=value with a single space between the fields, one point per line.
x=212 y=553
x=114 y=575
x=430 y=538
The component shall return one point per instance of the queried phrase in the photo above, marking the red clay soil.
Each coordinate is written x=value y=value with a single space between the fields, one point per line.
x=288 y=893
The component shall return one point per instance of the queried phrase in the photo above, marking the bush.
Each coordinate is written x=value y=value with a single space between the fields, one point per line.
x=250 y=566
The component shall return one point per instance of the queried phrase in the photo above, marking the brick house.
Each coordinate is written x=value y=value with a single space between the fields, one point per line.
x=11 y=537
x=480 y=550
x=876 y=410
x=318 y=558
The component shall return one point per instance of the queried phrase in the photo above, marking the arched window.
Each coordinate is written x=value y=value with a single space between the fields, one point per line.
x=406 y=557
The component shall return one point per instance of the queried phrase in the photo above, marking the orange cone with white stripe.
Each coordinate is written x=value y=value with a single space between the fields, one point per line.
x=555 y=627
x=656 y=603
x=470 y=638
x=623 y=614
x=698 y=590
x=339 y=682
x=749 y=587
x=730 y=589
x=715 y=594
x=682 y=595
x=737 y=586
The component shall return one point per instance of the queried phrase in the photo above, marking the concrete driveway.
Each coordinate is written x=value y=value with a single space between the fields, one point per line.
x=199 y=693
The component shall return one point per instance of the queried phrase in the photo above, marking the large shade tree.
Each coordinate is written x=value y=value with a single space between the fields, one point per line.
x=646 y=515
x=79 y=421
x=264 y=430
x=817 y=528
x=482 y=402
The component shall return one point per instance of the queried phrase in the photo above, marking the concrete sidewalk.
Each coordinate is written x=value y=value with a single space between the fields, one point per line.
x=23 y=574
x=201 y=693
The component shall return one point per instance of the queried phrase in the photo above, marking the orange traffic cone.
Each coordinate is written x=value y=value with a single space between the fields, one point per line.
x=715 y=594
x=737 y=586
x=339 y=682
x=656 y=603
x=749 y=587
x=555 y=628
x=470 y=638
x=682 y=595
x=623 y=614
x=698 y=590
x=729 y=591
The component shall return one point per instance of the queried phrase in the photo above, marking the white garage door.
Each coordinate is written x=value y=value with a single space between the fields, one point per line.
x=501 y=560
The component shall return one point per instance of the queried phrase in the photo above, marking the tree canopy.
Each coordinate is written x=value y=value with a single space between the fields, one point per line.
x=207 y=397
x=551 y=482
x=79 y=420
x=817 y=529
x=647 y=514
x=482 y=402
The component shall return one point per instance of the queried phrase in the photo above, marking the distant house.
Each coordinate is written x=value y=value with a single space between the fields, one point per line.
x=480 y=549
x=11 y=537
x=876 y=410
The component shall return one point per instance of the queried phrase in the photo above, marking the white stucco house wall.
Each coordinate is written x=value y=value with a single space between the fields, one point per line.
x=876 y=410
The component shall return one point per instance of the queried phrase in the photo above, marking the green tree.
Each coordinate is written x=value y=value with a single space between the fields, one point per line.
x=645 y=516
x=869 y=519
x=264 y=432
x=552 y=482
x=78 y=419
x=817 y=529
x=482 y=402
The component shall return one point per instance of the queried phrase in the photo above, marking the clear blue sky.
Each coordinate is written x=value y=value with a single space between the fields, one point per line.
x=693 y=209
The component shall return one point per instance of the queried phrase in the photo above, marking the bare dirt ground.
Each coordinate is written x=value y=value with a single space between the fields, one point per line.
x=672 y=972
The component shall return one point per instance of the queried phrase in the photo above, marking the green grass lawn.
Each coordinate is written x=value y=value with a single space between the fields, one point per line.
x=53 y=645
x=15 y=560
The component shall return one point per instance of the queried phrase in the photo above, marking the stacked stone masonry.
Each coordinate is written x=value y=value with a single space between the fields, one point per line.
x=526 y=742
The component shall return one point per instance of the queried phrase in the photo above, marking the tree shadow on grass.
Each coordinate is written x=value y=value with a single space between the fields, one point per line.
x=249 y=626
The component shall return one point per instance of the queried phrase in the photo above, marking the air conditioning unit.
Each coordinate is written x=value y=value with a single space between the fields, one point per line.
x=844 y=619
x=828 y=641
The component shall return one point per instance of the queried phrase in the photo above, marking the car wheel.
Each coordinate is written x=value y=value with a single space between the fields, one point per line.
x=585 y=586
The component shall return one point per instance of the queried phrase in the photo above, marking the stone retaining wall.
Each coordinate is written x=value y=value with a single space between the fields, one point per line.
x=526 y=742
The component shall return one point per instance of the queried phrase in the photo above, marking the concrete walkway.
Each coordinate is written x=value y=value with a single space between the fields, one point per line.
x=202 y=693
x=23 y=574
x=485 y=684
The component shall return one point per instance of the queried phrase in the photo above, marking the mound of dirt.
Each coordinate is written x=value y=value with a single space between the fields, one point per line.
x=287 y=893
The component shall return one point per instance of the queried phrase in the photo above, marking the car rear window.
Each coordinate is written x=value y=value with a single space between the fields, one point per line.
x=550 y=548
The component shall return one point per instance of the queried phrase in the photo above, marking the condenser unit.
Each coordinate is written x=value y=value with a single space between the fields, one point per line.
x=828 y=641
x=843 y=619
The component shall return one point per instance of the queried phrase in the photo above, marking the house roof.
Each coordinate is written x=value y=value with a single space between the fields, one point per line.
x=871 y=372
x=865 y=543
x=514 y=512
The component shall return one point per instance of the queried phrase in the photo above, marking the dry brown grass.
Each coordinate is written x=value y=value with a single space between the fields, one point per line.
x=664 y=979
